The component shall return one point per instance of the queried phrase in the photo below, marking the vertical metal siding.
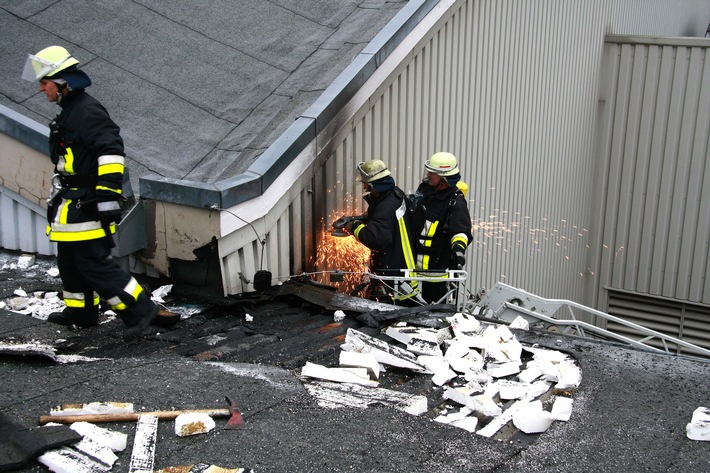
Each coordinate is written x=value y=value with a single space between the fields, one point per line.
x=511 y=88
x=24 y=225
x=657 y=223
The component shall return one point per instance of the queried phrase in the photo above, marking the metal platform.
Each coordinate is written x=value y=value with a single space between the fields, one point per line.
x=506 y=303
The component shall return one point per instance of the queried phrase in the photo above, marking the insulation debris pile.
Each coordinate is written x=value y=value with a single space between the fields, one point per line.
x=38 y=304
x=94 y=452
x=486 y=378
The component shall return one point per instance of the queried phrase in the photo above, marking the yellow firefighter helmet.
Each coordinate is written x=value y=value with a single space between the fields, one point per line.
x=442 y=163
x=47 y=63
x=372 y=170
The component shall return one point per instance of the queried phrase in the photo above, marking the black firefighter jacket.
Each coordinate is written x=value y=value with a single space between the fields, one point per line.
x=386 y=233
x=87 y=151
x=441 y=223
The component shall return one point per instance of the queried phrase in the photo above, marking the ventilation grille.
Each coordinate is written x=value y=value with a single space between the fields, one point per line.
x=688 y=322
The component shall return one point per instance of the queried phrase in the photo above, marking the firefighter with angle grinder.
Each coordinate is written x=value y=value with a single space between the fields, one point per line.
x=384 y=229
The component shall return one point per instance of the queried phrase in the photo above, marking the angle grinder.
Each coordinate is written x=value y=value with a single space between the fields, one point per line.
x=339 y=225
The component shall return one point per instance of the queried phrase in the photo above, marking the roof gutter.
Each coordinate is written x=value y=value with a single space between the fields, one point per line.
x=267 y=167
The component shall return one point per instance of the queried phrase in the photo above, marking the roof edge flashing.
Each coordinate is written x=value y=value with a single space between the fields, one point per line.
x=283 y=151
x=344 y=87
x=267 y=167
x=24 y=129
x=180 y=191
x=397 y=29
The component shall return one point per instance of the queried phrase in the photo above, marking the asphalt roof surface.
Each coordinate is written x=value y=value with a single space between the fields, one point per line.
x=199 y=88
x=629 y=412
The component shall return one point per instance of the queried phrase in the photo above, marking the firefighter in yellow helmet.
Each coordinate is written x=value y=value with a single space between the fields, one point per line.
x=86 y=149
x=385 y=230
x=442 y=222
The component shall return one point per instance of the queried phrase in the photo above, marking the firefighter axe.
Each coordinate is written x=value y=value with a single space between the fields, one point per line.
x=235 y=418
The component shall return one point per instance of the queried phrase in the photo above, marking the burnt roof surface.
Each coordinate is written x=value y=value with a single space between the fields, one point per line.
x=629 y=412
x=200 y=89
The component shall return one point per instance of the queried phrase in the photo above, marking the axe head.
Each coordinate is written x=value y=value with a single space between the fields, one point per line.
x=235 y=419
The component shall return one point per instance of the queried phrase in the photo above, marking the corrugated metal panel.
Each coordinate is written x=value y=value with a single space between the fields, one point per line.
x=282 y=240
x=657 y=223
x=511 y=88
x=24 y=225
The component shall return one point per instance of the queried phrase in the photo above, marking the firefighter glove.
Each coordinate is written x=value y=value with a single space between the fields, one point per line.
x=352 y=226
x=109 y=211
x=458 y=259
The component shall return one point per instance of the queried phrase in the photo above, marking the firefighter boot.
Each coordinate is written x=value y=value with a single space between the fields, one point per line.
x=79 y=317
x=138 y=316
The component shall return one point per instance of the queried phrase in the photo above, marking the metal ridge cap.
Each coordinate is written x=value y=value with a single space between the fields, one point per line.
x=363 y=66
x=240 y=188
x=266 y=168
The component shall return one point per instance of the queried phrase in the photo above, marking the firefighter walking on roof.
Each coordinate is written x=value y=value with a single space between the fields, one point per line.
x=86 y=149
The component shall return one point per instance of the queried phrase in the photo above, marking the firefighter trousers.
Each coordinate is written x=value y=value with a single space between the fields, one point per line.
x=89 y=273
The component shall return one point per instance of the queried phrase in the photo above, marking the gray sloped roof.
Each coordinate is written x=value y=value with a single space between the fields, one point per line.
x=199 y=88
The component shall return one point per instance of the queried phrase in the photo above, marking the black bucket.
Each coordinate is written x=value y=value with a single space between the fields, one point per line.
x=262 y=280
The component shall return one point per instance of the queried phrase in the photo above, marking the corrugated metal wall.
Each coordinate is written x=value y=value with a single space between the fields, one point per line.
x=28 y=232
x=657 y=212
x=25 y=174
x=511 y=88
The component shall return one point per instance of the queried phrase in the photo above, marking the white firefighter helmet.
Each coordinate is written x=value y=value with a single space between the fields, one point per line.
x=47 y=63
x=372 y=170
x=442 y=163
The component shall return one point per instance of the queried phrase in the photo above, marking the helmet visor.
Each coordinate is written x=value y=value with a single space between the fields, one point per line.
x=37 y=68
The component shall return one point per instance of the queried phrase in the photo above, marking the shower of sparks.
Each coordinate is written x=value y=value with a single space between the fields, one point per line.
x=507 y=233
x=344 y=254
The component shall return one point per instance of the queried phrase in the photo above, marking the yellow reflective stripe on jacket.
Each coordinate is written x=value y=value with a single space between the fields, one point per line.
x=459 y=237
x=67 y=236
x=60 y=230
x=63 y=211
x=110 y=189
x=404 y=236
x=66 y=162
x=428 y=231
x=77 y=231
x=110 y=172
x=358 y=230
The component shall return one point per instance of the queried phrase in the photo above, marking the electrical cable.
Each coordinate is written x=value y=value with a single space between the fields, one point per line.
x=262 y=241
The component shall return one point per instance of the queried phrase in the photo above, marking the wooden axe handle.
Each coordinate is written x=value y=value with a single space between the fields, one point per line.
x=129 y=416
